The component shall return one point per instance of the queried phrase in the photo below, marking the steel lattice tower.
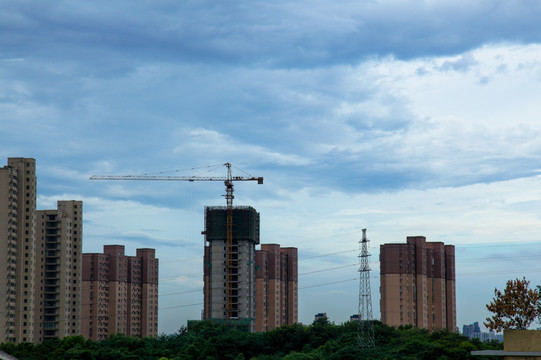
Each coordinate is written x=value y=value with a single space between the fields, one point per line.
x=365 y=337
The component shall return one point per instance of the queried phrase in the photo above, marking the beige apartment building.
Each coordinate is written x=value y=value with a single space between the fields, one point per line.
x=59 y=245
x=17 y=241
x=40 y=252
x=276 y=287
x=418 y=284
x=120 y=293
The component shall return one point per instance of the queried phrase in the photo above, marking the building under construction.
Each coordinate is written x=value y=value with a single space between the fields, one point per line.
x=245 y=288
x=229 y=271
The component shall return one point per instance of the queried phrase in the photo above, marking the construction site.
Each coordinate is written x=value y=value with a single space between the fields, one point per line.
x=232 y=263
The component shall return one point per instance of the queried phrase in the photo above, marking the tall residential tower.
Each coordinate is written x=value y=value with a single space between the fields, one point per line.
x=120 y=293
x=276 y=287
x=59 y=244
x=40 y=254
x=17 y=243
x=418 y=284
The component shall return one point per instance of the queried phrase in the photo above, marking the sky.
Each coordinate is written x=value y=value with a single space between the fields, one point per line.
x=404 y=117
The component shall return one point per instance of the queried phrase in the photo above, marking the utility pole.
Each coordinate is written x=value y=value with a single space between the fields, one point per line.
x=365 y=333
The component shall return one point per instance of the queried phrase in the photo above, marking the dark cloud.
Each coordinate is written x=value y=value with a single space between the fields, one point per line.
x=109 y=37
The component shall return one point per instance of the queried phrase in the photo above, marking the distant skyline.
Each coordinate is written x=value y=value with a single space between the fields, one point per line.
x=403 y=117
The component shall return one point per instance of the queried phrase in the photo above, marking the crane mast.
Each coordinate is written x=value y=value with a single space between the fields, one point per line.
x=228 y=182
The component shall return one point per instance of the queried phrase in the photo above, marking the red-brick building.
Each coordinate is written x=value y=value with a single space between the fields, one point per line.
x=120 y=293
x=418 y=284
x=276 y=287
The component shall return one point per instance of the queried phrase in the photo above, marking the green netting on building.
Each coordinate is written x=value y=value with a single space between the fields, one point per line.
x=245 y=223
x=239 y=324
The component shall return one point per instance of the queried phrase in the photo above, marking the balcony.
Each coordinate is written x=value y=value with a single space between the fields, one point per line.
x=51 y=274
x=52 y=261
x=51 y=290
x=49 y=325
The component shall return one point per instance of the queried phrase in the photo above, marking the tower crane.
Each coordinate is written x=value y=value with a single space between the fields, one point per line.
x=228 y=182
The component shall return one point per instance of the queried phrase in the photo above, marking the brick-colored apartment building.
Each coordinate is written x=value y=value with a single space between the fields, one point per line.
x=418 y=284
x=276 y=287
x=120 y=293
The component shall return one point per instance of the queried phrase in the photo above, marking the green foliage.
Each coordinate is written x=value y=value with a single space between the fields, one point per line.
x=322 y=340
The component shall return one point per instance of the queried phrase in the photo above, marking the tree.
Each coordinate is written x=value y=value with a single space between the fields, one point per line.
x=515 y=308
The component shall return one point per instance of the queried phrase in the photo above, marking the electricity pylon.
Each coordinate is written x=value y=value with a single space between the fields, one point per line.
x=365 y=333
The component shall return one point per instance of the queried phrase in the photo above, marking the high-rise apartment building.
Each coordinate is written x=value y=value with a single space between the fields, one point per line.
x=229 y=272
x=40 y=252
x=276 y=287
x=120 y=293
x=59 y=245
x=17 y=244
x=418 y=284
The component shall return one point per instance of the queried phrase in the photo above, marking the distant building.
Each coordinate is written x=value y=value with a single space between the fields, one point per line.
x=276 y=288
x=473 y=331
x=487 y=336
x=469 y=330
x=320 y=316
x=418 y=284
x=41 y=259
x=120 y=293
x=354 y=318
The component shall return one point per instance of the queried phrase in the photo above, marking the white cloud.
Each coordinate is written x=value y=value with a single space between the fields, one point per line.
x=210 y=144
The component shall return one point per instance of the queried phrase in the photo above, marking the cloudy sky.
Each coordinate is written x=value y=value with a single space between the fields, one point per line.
x=405 y=117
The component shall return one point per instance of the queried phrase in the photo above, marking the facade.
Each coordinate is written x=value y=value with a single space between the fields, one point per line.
x=229 y=290
x=276 y=287
x=59 y=238
x=120 y=293
x=417 y=284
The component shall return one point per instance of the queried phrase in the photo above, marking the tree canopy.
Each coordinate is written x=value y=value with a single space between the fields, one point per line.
x=205 y=340
x=515 y=308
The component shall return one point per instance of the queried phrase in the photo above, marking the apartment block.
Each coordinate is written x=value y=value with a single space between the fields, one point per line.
x=59 y=238
x=120 y=293
x=17 y=243
x=276 y=287
x=41 y=255
x=418 y=284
